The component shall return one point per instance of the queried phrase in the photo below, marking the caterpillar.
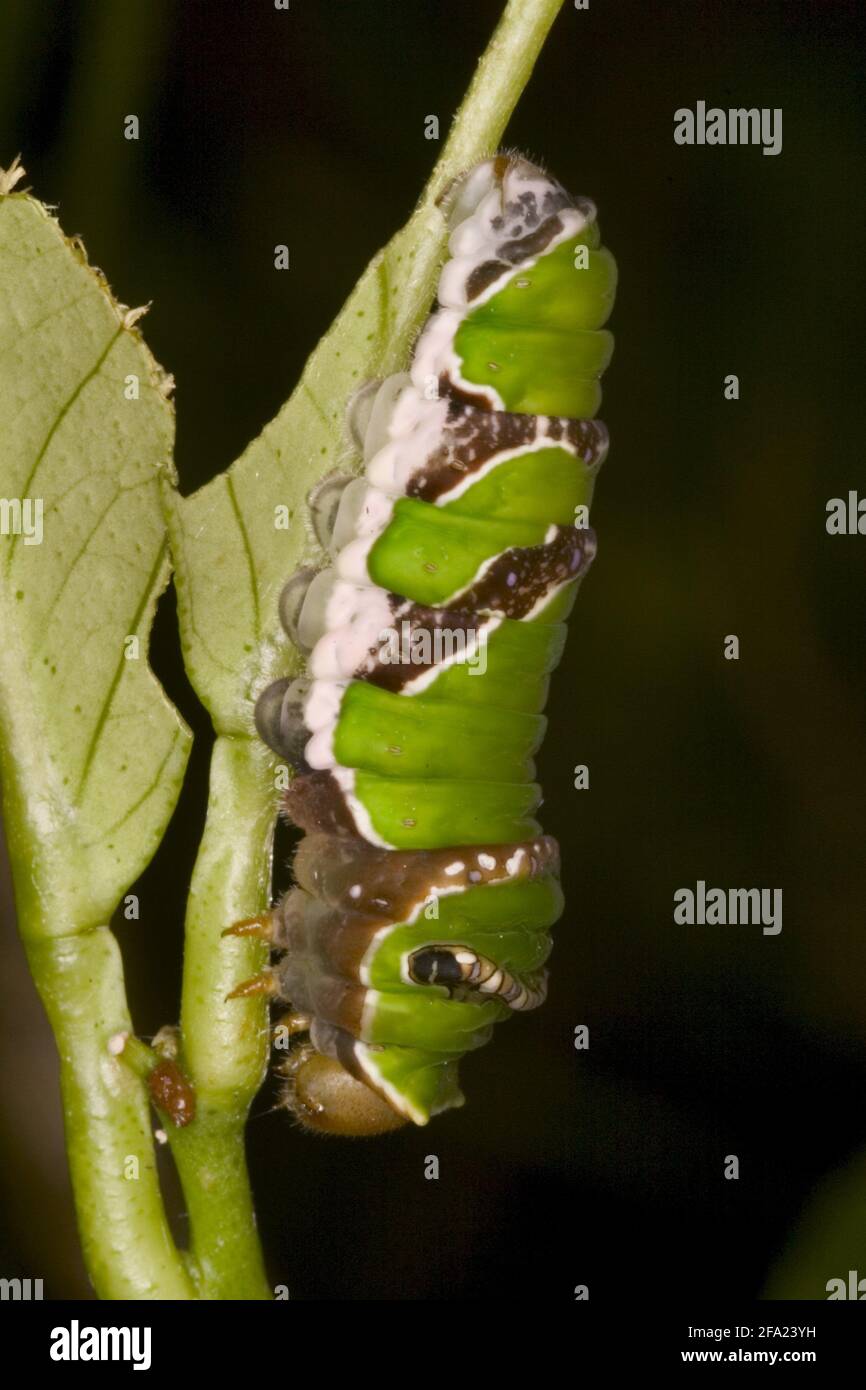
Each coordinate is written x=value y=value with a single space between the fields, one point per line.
x=425 y=889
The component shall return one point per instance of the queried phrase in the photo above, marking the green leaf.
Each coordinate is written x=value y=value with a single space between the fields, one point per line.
x=92 y=752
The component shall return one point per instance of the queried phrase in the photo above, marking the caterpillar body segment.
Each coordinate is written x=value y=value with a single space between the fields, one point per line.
x=426 y=889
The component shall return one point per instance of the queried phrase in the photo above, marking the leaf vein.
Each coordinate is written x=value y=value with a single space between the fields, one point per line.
x=248 y=552
x=148 y=792
x=99 y=727
x=55 y=425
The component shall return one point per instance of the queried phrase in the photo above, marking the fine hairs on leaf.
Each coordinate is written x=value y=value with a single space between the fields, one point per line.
x=92 y=752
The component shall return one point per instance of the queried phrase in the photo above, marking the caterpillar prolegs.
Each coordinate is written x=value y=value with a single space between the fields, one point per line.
x=425 y=889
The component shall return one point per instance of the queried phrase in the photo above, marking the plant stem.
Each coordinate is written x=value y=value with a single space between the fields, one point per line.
x=224 y=1043
x=502 y=73
x=224 y=1258
x=127 y=1245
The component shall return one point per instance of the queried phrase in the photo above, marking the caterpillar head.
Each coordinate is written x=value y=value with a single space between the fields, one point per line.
x=325 y=1097
x=523 y=191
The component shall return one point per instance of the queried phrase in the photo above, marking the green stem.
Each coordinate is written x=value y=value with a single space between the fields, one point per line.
x=225 y=1259
x=137 y=1056
x=224 y=1043
x=501 y=75
x=127 y=1245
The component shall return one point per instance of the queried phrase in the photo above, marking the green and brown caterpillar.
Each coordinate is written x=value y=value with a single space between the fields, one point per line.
x=425 y=888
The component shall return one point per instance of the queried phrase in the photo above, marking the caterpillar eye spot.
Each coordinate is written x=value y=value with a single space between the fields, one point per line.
x=435 y=966
x=431 y=637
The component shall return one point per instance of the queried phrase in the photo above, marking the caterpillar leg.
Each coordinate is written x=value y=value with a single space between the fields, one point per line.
x=290 y=1025
x=263 y=927
x=323 y=502
x=265 y=983
x=358 y=411
x=279 y=716
x=291 y=602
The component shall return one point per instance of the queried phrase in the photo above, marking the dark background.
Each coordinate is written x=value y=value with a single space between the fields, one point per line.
x=602 y=1167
